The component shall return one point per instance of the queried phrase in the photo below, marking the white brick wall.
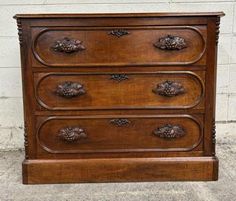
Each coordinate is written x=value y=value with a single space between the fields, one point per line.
x=11 y=117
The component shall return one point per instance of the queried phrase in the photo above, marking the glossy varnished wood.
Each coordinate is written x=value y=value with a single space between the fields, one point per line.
x=119 y=134
x=121 y=91
x=120 y=170
x=116 y=97
x=101 y=48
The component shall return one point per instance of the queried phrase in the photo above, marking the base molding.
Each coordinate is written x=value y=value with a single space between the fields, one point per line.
x=45 y=171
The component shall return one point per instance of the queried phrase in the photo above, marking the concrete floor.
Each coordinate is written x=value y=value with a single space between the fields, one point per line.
x=11 y=188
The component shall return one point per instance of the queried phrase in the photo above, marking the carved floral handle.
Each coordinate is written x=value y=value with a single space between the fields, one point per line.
x=169 y=89
x=68 y=45
x=70 y=89
x=120 y=122
x=171 y=42
x=71 y=134
x=169 y=131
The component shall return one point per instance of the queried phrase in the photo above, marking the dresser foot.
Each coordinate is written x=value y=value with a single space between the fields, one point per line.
x=120 y=170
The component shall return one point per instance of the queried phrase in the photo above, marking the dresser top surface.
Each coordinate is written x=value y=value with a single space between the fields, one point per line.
x=88 y=15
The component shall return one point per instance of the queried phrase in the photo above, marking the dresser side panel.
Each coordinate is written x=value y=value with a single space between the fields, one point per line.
x=27 y=86
x=210 y=104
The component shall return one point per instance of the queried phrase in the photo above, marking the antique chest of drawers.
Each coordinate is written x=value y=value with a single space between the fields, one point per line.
x=119 y=97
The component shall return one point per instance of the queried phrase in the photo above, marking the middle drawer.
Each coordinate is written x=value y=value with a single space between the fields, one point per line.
x=159 y=90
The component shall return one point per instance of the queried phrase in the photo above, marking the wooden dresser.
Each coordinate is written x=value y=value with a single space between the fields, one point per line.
x=119 y=97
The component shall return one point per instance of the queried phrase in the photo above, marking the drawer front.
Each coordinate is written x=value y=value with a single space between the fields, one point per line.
x=74 y=91
x=166 y=45
x=119 y=134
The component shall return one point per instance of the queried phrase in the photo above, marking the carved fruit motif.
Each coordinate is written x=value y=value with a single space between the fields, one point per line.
x=71 y=134
x=68 y=45
x=169 y=88
x=169 y=131
x=70 y=89
x=170 y=42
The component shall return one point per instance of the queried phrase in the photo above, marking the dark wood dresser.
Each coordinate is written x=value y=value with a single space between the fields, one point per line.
x=119 y=97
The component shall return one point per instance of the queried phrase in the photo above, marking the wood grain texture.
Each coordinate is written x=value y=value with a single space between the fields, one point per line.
x=103 y=49
x=120 y=170
x=136 y=134
x=119 y=97
x=136 y=92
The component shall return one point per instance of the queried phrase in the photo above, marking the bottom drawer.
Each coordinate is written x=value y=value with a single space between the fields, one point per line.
x=110 y=134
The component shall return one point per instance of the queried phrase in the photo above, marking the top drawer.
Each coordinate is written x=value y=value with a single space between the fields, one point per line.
x=119 y=46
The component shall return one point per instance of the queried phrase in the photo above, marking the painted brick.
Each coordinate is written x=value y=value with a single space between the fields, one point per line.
x=9 y=52
x=11 y=114
x=233 y=52
x=228 y=8
x=234 y=26
x=232 y=80
x=11 y=138
x=224 y=49
x=232 y=107
x=221 y=107
x=10 y=82
x=222 y=78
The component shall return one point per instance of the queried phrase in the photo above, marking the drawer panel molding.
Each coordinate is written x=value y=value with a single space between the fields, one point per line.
x=145 y=46
x=115 y=134
x=184 y=89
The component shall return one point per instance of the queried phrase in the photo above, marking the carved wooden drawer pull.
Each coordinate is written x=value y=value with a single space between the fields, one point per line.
x=169 y=131
x=70 y=89
x=68 y=45
x=170 y=42
x=118 y=32
x=169 y=89
x=120 y=122
x=71 y=134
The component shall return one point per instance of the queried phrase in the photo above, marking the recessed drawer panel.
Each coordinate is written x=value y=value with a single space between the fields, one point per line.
x=99 y=134
x=165 y=90
x=103 y=46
